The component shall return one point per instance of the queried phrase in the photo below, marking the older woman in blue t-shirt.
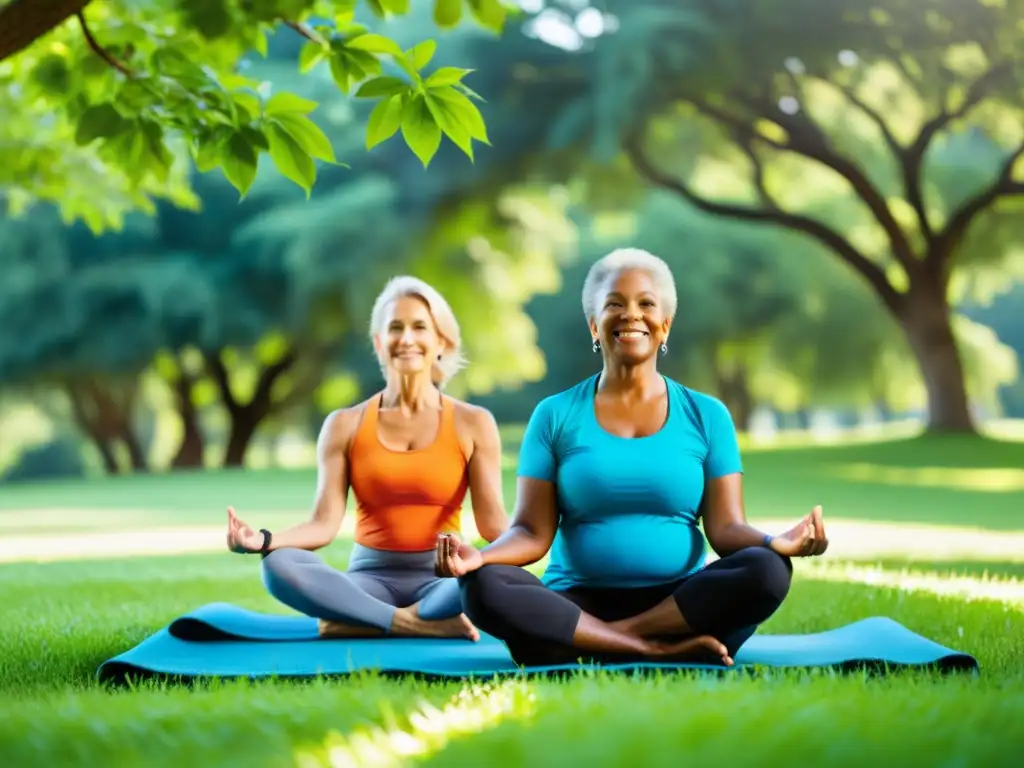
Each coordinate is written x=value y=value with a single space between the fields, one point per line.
x=614 y=474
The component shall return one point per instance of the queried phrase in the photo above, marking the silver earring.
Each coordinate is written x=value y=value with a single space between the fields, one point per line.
x=597 y=346
x=664 y=348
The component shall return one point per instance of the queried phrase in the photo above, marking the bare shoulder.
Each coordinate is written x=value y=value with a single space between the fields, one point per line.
x=340 y=426
x=474 y=420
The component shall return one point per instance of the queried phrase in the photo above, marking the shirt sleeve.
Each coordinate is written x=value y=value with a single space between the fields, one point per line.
x=537 y=457
x=723 y=448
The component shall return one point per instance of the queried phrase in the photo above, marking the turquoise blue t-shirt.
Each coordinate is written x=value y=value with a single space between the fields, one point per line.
x=628 y=507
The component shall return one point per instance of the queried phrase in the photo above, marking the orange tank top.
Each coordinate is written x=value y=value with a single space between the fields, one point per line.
x=405 y=498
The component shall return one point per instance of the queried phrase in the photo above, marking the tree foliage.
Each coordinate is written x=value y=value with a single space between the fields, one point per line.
x=880 y=103
x=103 y=101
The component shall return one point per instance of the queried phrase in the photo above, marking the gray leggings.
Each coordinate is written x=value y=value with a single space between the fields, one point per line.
x=376 y=583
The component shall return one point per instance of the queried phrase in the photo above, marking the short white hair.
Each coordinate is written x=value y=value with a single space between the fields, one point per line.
x=623 y=259
x=444 y=321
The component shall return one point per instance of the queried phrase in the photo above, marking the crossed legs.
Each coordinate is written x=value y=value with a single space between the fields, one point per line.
x=366 y=602
x=726 y=600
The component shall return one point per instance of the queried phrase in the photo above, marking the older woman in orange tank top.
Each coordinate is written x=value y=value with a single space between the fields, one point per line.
x=409 y=454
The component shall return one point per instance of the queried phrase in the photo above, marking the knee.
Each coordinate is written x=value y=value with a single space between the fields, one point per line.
x=279 y=568
x=769 y=572
x=477 y=589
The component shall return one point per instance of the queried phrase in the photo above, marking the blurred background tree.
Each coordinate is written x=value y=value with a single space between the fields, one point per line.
x=833 y=187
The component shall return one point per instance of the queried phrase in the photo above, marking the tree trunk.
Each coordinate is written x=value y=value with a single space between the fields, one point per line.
x=926 y=321
x=106 y=452
x=192 y=448
x=734 y=390
x=244 y=423
x=106 y=420
x=136 y=454
x=22 y=22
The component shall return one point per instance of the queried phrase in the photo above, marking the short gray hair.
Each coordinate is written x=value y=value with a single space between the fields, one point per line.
x=620 y=260
x=447 y=326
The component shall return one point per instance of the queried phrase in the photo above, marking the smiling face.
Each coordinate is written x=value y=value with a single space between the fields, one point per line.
x=630 y=322
x=409 y=342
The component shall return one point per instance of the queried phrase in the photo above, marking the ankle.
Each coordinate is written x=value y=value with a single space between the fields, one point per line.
x=624 y=627
x=405 y=619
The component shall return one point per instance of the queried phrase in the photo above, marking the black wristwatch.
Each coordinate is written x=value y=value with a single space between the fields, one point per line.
x=265 y=549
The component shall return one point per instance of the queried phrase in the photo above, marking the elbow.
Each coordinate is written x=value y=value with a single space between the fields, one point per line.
x=323 y=536
x=721 y=541
x=493 y=530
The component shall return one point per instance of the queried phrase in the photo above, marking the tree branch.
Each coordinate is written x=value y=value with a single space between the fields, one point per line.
x=951 y=236
x=806 y=139
x=22 y=22
x=303 y=30
x=219 y=372
x=759 y=184
x=269 y=375
x=869 y=270
x=98 y=49
x=874 y=114
x=912 y=158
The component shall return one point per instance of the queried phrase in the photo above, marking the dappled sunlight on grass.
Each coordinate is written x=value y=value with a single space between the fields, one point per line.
x=1007 y=590
x=984 y=480
x=429 y=730
x=893 y=431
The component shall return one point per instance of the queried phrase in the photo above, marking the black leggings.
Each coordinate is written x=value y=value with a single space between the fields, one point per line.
x=727 y=600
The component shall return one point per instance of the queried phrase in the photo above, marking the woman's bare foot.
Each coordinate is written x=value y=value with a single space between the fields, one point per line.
x=335 y=629
x=701 y=647
x=407 y=623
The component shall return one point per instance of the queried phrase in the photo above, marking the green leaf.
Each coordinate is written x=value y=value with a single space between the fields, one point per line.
x=422 y=53
x=153 y=154
x=446 y=76
x=239 y=161
x=469 y=92
x=248 y=103
x=51 y=74
x=374 y=44
x=343 y=74
x=464 y=111
x=259 y=42
x=210 y=19
x=385 y=121
x=344 y=12
x=377 y=7
x=312 y=53
x=397 y=7
x=256 y=138
x=308 y=135
x=447 y=13
x=208 y=148
x=405 y=62
x=283 y=103
x=381 y=86
x=290 y=158
x=99 y=121
x=450 y=125
x=419 y=130
x=489 y=13
x=174 y=63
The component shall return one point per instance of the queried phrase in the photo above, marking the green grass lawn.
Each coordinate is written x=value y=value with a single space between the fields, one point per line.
x=61 y=619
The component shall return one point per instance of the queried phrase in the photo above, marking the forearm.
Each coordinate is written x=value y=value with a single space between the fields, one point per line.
x=311 y=535
x=732 y=537
x=516 y=546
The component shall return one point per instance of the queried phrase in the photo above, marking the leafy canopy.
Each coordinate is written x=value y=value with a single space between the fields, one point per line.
x=102 y=105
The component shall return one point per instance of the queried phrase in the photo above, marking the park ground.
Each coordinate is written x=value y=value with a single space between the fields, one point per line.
x=927 y=531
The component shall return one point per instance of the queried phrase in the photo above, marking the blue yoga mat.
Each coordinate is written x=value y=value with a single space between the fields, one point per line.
x=223 y=640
